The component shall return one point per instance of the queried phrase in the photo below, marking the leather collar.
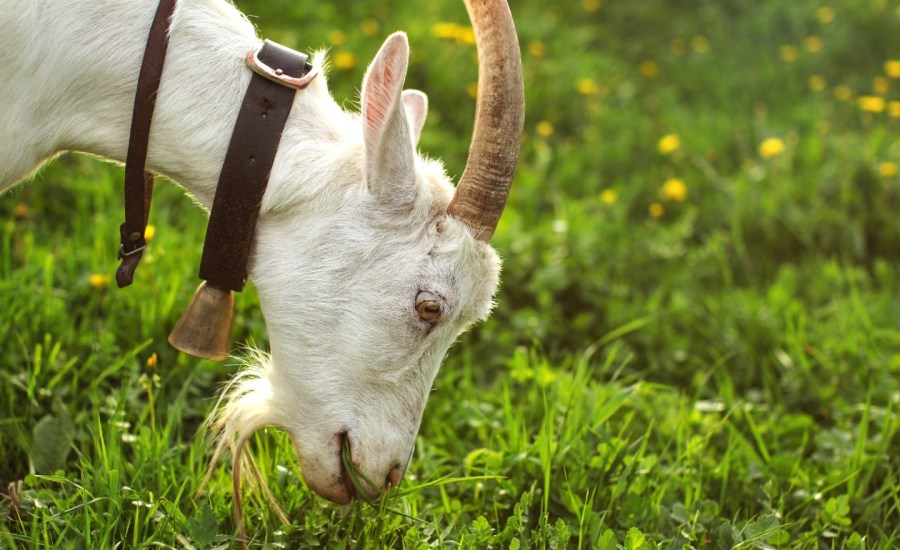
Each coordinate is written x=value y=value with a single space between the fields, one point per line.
x=248 y=162
x=138 y=181
x=278 y=73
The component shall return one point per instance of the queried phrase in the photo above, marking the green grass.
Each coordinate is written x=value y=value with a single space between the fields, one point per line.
x=725 y=374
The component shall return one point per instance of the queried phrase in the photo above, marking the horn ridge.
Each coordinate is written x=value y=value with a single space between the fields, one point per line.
x=483 y=189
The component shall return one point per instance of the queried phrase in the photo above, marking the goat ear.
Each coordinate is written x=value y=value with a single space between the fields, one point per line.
x=390 y=164
x=415 y=103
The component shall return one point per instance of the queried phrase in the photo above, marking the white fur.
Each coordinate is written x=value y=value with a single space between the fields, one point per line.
x=353 y=224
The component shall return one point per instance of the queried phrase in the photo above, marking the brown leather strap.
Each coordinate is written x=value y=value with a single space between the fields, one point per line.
x=245 y=172
x=138 y=181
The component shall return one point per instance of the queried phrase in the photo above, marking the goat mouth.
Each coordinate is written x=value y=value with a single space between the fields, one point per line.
x=347 y=467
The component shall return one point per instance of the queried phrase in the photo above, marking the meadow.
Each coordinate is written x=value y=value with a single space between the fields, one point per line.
x=696 y=343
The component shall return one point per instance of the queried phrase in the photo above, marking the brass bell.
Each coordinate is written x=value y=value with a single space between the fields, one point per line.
x=205 y=328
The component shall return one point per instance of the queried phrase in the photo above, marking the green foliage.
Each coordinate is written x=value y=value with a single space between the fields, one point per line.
x=696 y=343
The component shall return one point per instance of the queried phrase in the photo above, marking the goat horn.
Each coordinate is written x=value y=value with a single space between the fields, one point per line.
x=499 y=117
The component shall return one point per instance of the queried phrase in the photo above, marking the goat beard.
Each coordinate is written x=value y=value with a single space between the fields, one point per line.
x=234 y=420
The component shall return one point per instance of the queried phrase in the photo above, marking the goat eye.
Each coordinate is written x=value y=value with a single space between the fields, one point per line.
x=428 y=306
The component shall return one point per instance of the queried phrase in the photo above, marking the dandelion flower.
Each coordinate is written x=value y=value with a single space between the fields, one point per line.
x=788 y=53
x=369 y=27
x=674 y=189
x=871 y=103
x=887 y=169
x=656 y=210
x=452 y=31
x=771 y=148
x=99 y=281
x=648 y=68
x=444 y=30
x=700 y=44
x=544 y=129
x=149 y=232
x=843 y=93
x=537 y=48
x=590 y=6
x=893 y=109
x=668 y=144
x=892 y=68
x=152 y=361
x=337 y=37
x=586 y=86
x=466 y=35
x=816 y=83
x=825 y=14
x=812 y=44
x=608 y=196
x=344 y=61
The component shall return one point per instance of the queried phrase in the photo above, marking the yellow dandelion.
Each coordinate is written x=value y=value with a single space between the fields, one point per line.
x=586 y=86
x=21 y=210
x=771 y=148
x=677 y=46
x=590 y=6
x=892 y=68
x=893 y=109
x=812 y=44
x=648 y=68
x=887 y=169
x=344 y=61
x=465 y=35
x=537 y=48
x=843 y=93
x=788 y=53
x=700 y=44
x=99 y=281
x=444 y=30
x=452 y=31
x=608 y=196
x=817 y=83
x=369 y=27
x=656 y=210
x=149 y=232
x=825 y=14
x=880 y=85
x=674 y=189
x=668 y=144
x=337 y=37
x=871 y=103
x=544 y=129
x=152 y=361
x=472 y=90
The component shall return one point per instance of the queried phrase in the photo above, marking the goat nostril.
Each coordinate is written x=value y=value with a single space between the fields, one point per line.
x=394 y=476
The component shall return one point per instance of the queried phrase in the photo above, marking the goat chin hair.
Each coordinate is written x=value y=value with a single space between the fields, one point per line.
x=241 y=410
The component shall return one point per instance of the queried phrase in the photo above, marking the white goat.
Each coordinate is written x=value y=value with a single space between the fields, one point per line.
x=365 y=271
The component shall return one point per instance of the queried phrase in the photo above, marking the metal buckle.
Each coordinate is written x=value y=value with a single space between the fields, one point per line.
x=124 y=254
x=276 y=75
